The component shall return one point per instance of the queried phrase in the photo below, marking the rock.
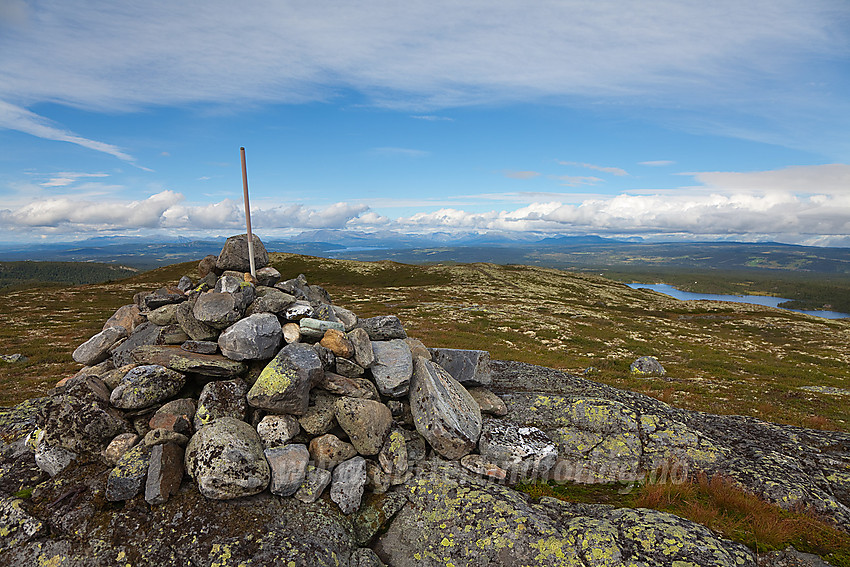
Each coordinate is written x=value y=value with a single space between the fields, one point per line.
x=165 y=315
x=316 y=328
x=165 y=473
x=349 y=369
x=171 y=335
x=234 y=254
x=53 y=460
x=200 y=347
x=443 y=411
x=375 y=513
x=255 y=337
x=364 y=354
x=11 y=358
x=336 y=341
x=383 y=328
x=288 y=468
x=16 y=525
x=284 y=384
x=377 y=480
x=96 y=349
x=346 y=317
x=197 y=330
x=417 y=348
x=524 y=452
x=393 y=367
x=179 y=360
x=207 y=265
x=298 y=310
x=489 y=402
x=366 y=422
x=319 y=418
x=185 y=284
x=226 y=459
x=401 y=411
x=127 y=316
x=647 y=366
x=351 y=387
x=217 y=310
x=365 y=557
x=268 y=276
x=221 y=399
x=270 y=300
x=161 y=436
x=277 y=430
x=127 y=478
x=349 y=480
x=164 y=296
x=469 y=367
x=393 y=455
x=177 y=415
x=479 y=465
x=145 y=334
x=118 y=446
x=291 y=333
x=229 y=282
x=316 y=480
x=146 y=385
x=328 y=451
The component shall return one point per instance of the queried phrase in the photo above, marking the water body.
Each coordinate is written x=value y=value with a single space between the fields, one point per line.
x=768 y=301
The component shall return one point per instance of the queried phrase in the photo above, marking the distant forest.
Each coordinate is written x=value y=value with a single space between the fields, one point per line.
x=20 y=274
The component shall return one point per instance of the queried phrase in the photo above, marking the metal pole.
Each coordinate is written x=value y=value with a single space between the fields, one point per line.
x=247 y=213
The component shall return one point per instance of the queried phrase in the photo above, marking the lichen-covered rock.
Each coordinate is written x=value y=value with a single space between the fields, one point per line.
x=393 y=455
x=524 y=452
x=145 y=334
x=288 y=466
x=319 y=417
x=269 y=300
x=366 y=422
x=393 y=367
x=284 y=384
x=197 y=330
x=165 y=473
x=144 y=386
x=375 y=513
x=53 y=460
x=173 y=357
x=234 y=254
x=647 y=366
x=316 y=480
x=364 y=355
x=469 y=367
x=221 y=398
x=328 y=450
x=16 y=526
x=161 y=436
x=165 y=315
x=383 y=328
x=277 y=430
x=489 y=402
x=177 y=415
x=226 y=459
x=443 y=411
x=127 y=478
x=218 y=310
x=349 y=480
x=118 y=446
x=96 y=349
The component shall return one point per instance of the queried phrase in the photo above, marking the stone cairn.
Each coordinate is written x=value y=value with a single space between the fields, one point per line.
x=245 y=384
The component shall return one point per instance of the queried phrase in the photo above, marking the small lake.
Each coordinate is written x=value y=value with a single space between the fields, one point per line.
x=766 y=300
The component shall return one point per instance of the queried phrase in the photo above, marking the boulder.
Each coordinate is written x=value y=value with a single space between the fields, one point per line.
x=127 y=316
x=443 y=411
x=349 y=480
x=298 y=310
x=489 y=402
x=469 y=367
x=145 y=334
x=234 y=254
x=393 y=367
x=206 y=265
x=226 y=459
x=270 y=300
x=284 y=384
x=338 y=343
x=53 y=460
x=319 y=418
x=122 y=443
x=351 y=387
x=383 y=328
x=177 y=359
x=127 y=478
x=217 y=310
x=197 y=330
x=221 y=398
x=96 y=349
x=366 y=422
x=646 y=367
x=177 y=415
x=165 y=473
x=268 y=276
x=346 y=317
x=145 y=386
x=164 y=296
x=165 y=315
x=524 y=452
x=255 y=337
x=288 y=466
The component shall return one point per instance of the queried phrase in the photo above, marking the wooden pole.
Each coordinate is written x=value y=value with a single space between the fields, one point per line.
x=247 y=213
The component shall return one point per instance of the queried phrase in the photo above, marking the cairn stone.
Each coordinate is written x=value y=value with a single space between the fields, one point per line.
x=364 y=354
x=298 y=310
x=366 y=422
x=383 y=328
x=337 y=342
x=288 y=468
x=393 y=455
x=349 y=480
x=328 y=450
x=174 y=357
x=118 y=446
x=207 y=265
x=277 y=430
x=443 y=411
x=351 y=387
x=284 y=384
x=161 y=436
x=234 y=254
x=197 y=330
x=127 y=478
x=291 y=333
x=144 y=386
x=145 y=334
x=316 y=328
x=217 y=310
x=127 y=316
x=226 y=459
x=489 y=402
x=96 y=349
x=165 y=315
x=255 y=337
x=469 y=367
x=316 y=480
x=319 y=418
x=165 y=473
x=200 y=347
x=53 y=460
x=225 y=398
x=346 y=317
x=163 y=296
x=393 y=367
x=524 y=452
x=268 y=276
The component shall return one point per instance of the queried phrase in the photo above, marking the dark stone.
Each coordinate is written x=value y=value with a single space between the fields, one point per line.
x=234 y=254
x=165 y=473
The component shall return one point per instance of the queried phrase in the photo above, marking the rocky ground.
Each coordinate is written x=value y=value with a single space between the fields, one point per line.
x=236 y=421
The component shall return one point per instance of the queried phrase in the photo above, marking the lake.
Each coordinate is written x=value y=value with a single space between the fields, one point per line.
x=768 y=301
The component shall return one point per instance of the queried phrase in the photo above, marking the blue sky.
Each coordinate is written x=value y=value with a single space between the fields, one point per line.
x=661 y=119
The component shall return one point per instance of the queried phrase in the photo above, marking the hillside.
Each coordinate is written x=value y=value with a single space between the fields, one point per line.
x=28 y=273
x=724 y=358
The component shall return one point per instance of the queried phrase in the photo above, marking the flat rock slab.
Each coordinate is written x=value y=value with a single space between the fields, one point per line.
x=393 y=367
x=175 y=358
x=469 y=367
x=443 y=411
x=145 y=386
x=96 y=349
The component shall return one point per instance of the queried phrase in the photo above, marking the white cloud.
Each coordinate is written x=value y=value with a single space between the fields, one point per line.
x=657 y=163
x=618 y=171
x=576 y=180
x=69 y=178
x=522 y=174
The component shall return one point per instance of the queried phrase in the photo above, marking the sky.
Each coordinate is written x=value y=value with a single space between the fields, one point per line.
x=663 y=119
